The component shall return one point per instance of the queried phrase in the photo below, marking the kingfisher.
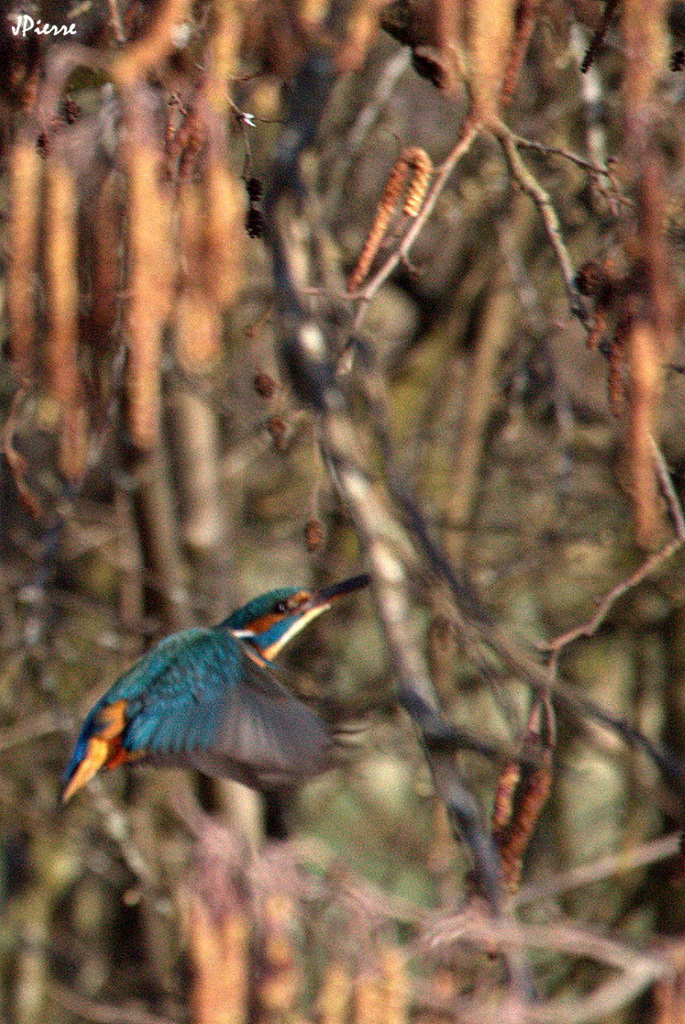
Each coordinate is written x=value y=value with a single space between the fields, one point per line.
x=207 y=698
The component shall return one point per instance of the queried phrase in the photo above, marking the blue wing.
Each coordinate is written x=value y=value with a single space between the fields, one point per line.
x=176 y=694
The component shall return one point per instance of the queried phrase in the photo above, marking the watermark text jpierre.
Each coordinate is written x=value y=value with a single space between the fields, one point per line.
x=25 y=24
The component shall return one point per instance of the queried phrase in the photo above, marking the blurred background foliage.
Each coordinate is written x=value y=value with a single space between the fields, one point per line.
x=157 y=472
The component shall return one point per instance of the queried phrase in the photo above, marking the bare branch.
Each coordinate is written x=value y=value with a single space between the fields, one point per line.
x=648 y=567
x=101 y=1013
x=32 y=729
x=637 y=971
x=529 y=183
x=634 y=859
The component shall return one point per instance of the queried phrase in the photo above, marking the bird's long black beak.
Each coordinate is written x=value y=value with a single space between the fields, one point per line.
x=327 y=595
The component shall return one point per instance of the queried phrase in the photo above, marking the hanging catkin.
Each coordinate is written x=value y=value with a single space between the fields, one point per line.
x=61 y=261
x=25 y=173
x=150 y=269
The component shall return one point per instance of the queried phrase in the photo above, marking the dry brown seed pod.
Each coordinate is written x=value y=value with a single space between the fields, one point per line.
x=62 y=339
x=276 y=426
x=590 y=278
x=264 y=384
x=314 y=534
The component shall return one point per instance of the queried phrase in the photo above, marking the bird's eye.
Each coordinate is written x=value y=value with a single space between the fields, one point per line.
x=281 y=608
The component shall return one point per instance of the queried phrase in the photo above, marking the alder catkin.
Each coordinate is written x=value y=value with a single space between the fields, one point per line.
x=280 y=977
x=225 y=200
x=61 y=256
x=197 y=314
x=25 y=172
x=335 y=994
x=225 y=218
x=422 y=165
x=150 y=277
x=384 y=213
x=369 y=998
x=220 y=950
x=397 y=985
x=418 y=161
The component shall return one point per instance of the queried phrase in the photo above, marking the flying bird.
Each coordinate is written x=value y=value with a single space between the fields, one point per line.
x=207 y=698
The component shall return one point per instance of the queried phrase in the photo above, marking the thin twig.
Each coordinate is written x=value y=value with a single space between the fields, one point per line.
x=567 y=154
x=649 y=566
x=32 y=729
x=101 y=1013
x=529 y=183
x=636 y=970
x=544 y=679
x=590 y=627
x=664 y=476
x=605 y=867
x=116 y=23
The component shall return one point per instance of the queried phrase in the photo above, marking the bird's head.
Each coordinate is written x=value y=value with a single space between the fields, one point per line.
x=271 y=620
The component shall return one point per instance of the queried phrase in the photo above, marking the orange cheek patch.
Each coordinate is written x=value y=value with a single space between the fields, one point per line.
x=265 y=623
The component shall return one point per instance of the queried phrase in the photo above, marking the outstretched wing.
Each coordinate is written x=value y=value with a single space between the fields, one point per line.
x=252 y=730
